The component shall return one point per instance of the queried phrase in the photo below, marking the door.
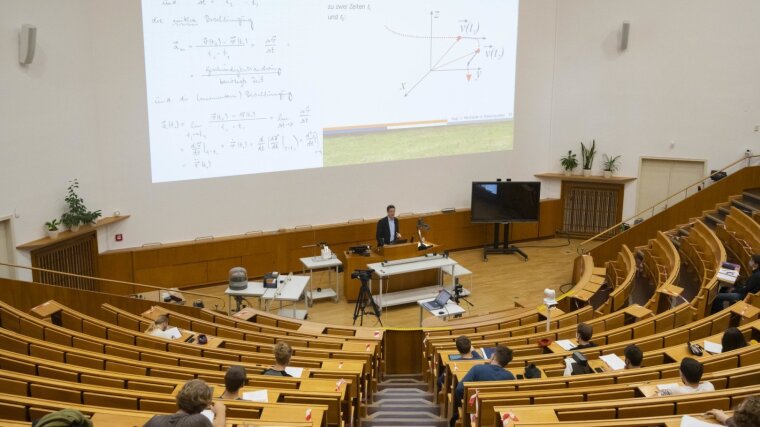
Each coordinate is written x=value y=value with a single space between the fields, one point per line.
x=6 y=249
x=660 y=178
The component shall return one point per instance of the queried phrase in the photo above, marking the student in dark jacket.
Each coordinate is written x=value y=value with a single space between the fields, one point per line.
x=282 y=354
x=194 y=397
x=493 y=370
x=737 y=293
x=583 y=334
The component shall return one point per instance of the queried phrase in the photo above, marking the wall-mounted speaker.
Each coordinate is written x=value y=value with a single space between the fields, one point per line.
x=27 y=42
x=624 y=35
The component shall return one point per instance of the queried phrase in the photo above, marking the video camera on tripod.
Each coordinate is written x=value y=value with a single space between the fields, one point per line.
x=365 y=299
x=363 y=275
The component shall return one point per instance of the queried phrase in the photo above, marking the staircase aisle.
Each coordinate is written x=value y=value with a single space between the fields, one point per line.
x=403 y=400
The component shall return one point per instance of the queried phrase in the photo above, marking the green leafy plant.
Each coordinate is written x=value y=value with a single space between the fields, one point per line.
x=52 y=225
x=587 y=154
x=611 y=164
x=569 y=162
x=77 y=213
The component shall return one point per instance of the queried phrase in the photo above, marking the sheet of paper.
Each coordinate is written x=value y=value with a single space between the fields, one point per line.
x=613 y=361
x=713 y=348
x=294 y=372
x=256 y=396
x=173 y=333
x=208 y=413
x=669 y=386
x=566 y=345
x=688 y=421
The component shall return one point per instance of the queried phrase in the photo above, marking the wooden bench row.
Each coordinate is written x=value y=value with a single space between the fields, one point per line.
x=26 y=409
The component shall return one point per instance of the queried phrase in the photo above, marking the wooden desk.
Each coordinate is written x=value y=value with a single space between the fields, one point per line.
x=533 y=414
x=286 y=414
x=746 y=312
x=45 y=310
x=388 y=253
x=637 y=312
x=556 y=348
x=122 y=420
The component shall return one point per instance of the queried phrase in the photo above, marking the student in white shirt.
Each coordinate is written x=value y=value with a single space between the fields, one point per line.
x=691 y=375
x=160 y=327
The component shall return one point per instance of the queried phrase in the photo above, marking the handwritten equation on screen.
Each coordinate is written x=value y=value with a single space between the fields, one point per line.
x=227 y=90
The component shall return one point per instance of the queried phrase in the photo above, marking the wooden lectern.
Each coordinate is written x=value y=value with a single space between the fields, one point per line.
x=389 y=253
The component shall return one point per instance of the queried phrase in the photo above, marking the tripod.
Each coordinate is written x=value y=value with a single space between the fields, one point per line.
x=365 y=299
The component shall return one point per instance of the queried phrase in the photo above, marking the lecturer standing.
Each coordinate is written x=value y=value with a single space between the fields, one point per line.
x=387 y=228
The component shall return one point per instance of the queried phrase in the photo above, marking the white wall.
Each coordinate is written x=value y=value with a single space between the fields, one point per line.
x=47 y=126
x=689 y=76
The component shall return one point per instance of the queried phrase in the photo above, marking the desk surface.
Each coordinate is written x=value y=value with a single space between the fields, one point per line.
x=413 y=264
x=290 y=290
x=314 y=262
x=451 y=308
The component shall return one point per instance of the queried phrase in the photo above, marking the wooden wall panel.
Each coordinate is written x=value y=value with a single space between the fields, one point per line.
x=26 y=295
x=208 y=261
x=550 y=219
x=171 y=275
x=402 y=350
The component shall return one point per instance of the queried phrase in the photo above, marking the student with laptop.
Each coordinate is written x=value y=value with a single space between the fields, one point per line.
x=464 y=347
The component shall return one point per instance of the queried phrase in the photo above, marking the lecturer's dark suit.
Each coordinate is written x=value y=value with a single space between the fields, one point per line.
x=383 y=233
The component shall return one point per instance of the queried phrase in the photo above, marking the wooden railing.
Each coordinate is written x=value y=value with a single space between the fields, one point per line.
x=704 y=199
x=96 y=284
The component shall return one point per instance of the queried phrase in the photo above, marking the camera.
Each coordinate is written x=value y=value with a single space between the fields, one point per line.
x=362 y=274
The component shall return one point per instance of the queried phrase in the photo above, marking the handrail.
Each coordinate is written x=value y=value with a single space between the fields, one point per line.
x=685 y=189
x=121 y=282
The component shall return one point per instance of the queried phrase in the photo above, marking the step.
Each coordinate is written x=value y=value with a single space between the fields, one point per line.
x=405 y=392
x=405 y=415
x=403 y=405
x=746 y=206
x=752 y=193
x=415 y=385
x=725 y=210
x=402 y=421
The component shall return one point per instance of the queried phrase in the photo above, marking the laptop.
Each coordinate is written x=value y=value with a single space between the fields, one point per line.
x=443 y=297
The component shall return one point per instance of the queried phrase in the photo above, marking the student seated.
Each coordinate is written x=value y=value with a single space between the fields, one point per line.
x=282 y=353
x=691 y=375
x=746 y=415
x=633 y=356
x=160 y=327
x=493 y=370
x=464 y=347
x=583 y=334
x=732 y=339
x=64 y=417
x=738 y=292
x=194 y=398
x=577 y=365
x=234 y=379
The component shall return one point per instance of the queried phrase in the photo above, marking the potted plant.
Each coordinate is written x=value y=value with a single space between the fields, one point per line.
x=587 y=154
x=52 y=228
x=569 y=162
x=610 y=164
x=77 y=214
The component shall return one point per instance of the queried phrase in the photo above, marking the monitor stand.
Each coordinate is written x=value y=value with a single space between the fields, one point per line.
x=497 y=247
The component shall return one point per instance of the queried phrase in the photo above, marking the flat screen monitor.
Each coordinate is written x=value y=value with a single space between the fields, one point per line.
x=505 y=201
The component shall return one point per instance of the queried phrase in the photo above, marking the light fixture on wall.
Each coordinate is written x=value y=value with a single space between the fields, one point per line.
x=27 y=42
x=624 y=31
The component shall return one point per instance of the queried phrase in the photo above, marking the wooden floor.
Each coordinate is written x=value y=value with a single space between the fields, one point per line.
x=495 y=284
